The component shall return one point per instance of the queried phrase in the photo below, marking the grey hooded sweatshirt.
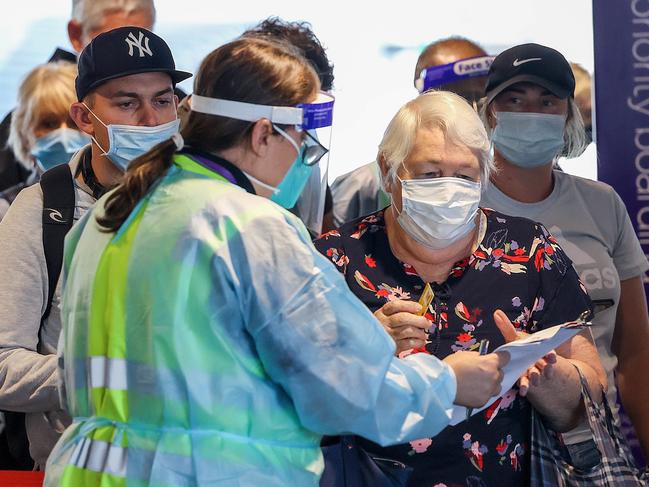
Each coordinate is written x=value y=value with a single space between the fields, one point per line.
x=29 y=378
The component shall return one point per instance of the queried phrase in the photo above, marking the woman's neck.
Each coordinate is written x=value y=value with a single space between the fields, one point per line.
x=432 y=265
x=523 y=185
x=240 y=158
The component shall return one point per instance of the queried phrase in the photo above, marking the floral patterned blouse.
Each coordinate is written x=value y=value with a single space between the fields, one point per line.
x=518 y=268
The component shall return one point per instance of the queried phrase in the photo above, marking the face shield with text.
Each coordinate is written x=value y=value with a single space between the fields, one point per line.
x=466 y=77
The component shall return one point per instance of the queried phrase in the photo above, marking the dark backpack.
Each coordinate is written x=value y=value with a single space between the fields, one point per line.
x=58 y=216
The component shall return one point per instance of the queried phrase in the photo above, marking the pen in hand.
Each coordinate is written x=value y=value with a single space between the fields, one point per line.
x=482 y=350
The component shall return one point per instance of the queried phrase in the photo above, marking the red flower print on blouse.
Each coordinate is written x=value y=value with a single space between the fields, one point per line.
x=370 y=261
x=474 y=451
x=364 y=282
x=459 y=267
x=501 y=447
x=360 y=231
x=463 y=312
x=337 y=257
x=409 y=270
x=331 y=233
x=464 y=337
x=538 y=259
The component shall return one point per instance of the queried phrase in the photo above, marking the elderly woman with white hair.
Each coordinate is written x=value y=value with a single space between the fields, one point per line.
x=493 y=277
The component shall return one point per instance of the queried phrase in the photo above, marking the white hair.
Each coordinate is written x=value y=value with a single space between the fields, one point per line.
x=435 y=109
x=90 y=13
x=574 y=134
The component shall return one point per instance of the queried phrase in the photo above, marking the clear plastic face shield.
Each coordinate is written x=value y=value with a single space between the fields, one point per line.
x=311 y=203
x=466 y=77
x=314 y=119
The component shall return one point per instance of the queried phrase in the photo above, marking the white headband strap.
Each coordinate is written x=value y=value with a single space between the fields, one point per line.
x=246 y=111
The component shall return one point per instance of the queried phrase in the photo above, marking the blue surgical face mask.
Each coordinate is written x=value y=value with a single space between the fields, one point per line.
x=58 y=147
x=127 y=142
x=292 y=185
x=527 y=139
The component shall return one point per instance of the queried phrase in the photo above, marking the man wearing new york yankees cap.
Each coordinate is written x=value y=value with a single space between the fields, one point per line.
x=533 y=119
x=127 y=105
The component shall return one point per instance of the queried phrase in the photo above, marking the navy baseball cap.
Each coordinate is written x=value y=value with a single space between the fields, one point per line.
x=121 y=52
x=532 y=63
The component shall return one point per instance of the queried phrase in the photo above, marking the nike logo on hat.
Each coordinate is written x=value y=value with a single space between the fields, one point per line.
x=523 y=61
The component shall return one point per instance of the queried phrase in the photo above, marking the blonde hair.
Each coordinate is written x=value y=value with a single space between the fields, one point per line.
x=583 y=95
x=435 y=109
x=47 y=90
x=582 y=81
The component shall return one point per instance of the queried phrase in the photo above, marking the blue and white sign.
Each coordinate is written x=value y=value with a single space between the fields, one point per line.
x=621 y=35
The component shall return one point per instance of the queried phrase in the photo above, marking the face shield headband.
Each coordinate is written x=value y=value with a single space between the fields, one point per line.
x=435 y=76
x=306 y=116
x=314 y=119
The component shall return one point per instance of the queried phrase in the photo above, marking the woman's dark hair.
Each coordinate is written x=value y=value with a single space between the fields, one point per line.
x=300 y=35
x=248 y=70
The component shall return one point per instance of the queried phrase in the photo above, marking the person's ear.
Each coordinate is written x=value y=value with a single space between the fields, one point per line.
x=260 y=137
x=75 y=33
x=384 y=167
x=82 y=118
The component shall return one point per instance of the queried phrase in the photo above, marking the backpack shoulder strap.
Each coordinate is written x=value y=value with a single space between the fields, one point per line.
x=58 y=216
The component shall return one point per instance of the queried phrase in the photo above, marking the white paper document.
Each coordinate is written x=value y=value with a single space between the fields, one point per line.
x=524 y=353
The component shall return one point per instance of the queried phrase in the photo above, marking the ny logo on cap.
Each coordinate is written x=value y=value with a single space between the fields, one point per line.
x=137 y=43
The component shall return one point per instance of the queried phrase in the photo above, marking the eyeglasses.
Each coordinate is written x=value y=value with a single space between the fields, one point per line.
x=313 y=150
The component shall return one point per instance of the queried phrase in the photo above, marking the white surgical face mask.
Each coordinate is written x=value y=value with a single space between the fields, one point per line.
x=127 y=142
x=437 y=212
x=527 y=139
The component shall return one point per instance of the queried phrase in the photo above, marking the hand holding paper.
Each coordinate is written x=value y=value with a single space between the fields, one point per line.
x=541 y=369
x=527 y=352
x=478 y=376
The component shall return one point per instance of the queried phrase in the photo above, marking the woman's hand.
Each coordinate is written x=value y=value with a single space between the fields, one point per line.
x=552 y=385
x=537 y=374
x=402 y=322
